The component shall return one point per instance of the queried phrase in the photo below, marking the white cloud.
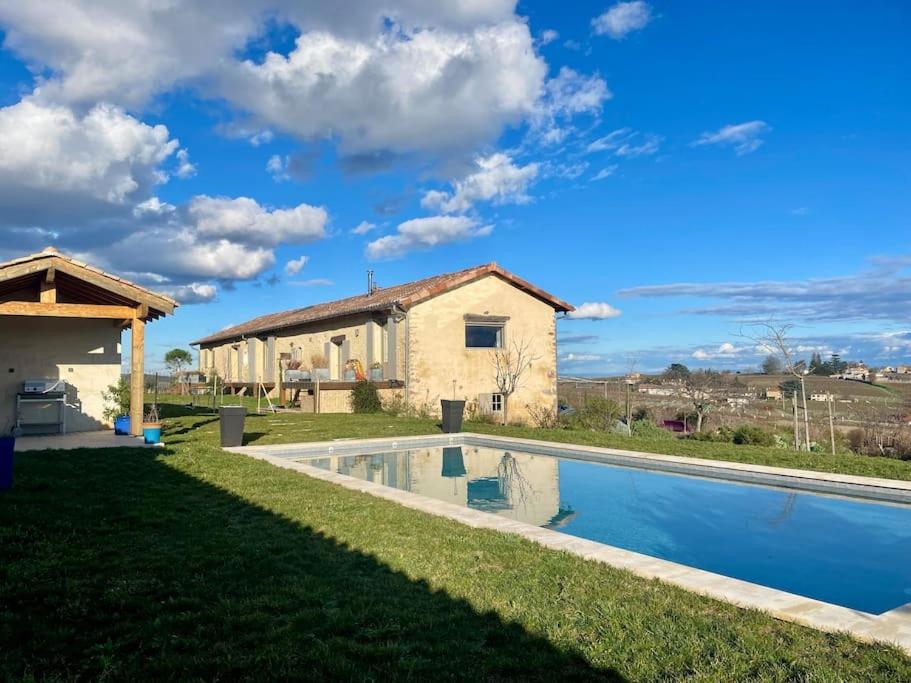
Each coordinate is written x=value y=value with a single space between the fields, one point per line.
x=725 y=350
x=153 y=206
x=127 y=52
x=363 y=228
x=580 y=357
x=626 y=142
x=184 y=168
x=424 y=233
x=181 y=254
x=193 y=293
x=315 y=282
x=743 y=137
x=497 y=179
x=396 y=76
x=277 y=166
x=566 y=95
x=403 y=90
x=294 y=266
x=622 y=19
x=547 y=36
x=105 y=154
x=594 y=311
x=243 y=220
x=605 y=172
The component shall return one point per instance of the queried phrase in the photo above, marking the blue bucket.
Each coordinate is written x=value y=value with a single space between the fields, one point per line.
x=7 y=443
x=122 y=425
x=151 y=434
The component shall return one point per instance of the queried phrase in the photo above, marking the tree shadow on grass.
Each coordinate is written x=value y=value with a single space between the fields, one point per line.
x=116 y=564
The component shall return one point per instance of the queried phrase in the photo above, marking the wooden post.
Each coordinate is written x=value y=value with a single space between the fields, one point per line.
x=831 y=424
x=796 y=423
x=137 y=374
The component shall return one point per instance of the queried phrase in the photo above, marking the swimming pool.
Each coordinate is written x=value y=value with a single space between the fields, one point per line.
x=841 y=550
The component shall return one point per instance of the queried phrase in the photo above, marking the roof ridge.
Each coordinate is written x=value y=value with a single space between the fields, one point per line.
x=404 y=294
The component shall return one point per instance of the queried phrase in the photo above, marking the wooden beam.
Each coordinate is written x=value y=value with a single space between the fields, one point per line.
x=137 y=375
x=126 y=290
x=55 y=310
x=48 y=290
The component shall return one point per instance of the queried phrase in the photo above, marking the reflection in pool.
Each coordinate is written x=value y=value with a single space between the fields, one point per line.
x=844 y=551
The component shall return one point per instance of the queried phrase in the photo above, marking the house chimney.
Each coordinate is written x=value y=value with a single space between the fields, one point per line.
x=371 y=285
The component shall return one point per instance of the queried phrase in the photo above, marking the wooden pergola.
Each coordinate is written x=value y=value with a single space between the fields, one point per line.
x=49 y=284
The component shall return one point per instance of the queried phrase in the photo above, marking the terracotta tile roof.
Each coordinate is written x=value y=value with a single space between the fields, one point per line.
x=383 y=299
x=53 y=258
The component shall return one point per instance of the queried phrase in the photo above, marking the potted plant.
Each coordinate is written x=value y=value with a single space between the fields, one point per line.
x=376 y=371
x=7 y=446
x=117 y=406
x=151 y=426
x=320 y=366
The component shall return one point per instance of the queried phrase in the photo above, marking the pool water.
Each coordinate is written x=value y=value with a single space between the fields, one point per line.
x=844 y=551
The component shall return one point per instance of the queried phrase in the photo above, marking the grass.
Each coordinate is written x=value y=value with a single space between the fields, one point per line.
x=191 y=563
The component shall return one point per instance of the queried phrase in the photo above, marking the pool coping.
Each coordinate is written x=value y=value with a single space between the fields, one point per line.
x=893 y=627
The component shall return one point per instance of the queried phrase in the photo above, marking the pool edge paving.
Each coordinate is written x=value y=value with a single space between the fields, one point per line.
x=893 y=626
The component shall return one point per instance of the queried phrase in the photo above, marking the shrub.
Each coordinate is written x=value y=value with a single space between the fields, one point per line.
x=720 y=435
x=543 y=417
x=647 y=428
x=365 y=398
x=856 y=440
x=753 y=436
x=116 y=400
x=597 y=413
x=395 y=406
x=641 y=413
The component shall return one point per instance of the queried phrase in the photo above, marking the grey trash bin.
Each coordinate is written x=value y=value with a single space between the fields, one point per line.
x=452 y=415
x=231 y=425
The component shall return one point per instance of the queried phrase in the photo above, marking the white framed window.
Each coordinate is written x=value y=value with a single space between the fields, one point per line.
x=496 y=403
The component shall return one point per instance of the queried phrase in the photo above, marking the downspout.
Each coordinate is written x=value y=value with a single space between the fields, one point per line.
x=399 y=314
x=556 y=361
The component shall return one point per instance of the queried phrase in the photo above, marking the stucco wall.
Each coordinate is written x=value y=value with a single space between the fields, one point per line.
x=85 y=353
x=437 y=354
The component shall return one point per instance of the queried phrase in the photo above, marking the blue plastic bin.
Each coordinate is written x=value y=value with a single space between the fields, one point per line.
x=122 y=425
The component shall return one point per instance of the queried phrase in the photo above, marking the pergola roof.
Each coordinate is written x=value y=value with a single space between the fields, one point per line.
x=76 y=283
x=383 y=299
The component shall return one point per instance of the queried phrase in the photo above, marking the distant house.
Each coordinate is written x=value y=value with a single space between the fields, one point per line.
x=652 y=390
x=903 y=370
x=773 y=393
x=421 y=341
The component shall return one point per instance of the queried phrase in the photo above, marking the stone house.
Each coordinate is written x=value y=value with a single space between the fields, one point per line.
x=426 y=340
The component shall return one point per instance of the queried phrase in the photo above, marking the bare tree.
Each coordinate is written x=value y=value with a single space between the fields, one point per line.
x=702 y=388
x=775 y=338
x=511 y=363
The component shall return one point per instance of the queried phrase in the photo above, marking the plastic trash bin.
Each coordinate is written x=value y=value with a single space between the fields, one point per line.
x=452 y=415
x=231 y=425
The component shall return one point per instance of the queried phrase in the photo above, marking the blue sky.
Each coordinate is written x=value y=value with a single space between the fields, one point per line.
x=687 y=168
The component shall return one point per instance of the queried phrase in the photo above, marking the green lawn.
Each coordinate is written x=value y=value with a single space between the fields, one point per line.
x=191 y=563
